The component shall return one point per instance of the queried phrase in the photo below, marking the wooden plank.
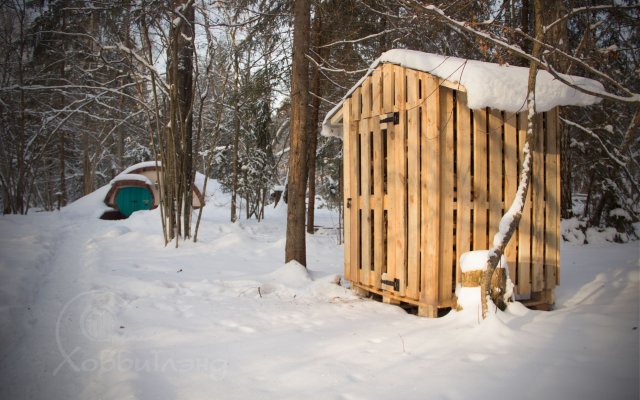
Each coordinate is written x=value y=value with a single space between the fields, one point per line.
x=354 y=162
x=400 y=192
x=388 y=94
x=495 y=173
x=537 y=248
x=511 y=182
x=388 y=90
x=413 y=189
x=356 y=105
x=446 y=195
x=365 y=192
x=376 y=89
x=366 y=98
x=524 y=229
x=480 y=195
x=430 y=197
x=412 y=89
x=346 y=190
x=552 y=201
x=463 y=223
x=378 y=196
x=392 y=176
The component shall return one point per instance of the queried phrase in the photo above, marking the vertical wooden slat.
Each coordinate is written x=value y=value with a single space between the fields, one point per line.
x=356 y=105
x=387 y=103
x=511 y=182
x=552 y=203
x=365 y=205
x=413 y=189
x=400 y=192
x=347 y=187
x=524 y=229
x=388 y=91
x=537 y=248
x=366 y=98
x=480 y=179
x=378 y=191
x=446 y=195
x=354 y=162
x=430 y=197
x=376 y=88
x=463 y=223
x=495 y=173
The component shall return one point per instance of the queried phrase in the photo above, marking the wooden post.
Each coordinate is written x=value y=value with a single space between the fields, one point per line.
x=430 y=197
x=446 y=196
x=463 y=198
x=413 y=186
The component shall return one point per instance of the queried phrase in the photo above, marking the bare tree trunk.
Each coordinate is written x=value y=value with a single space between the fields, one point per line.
x=236 y=135
x=558 y=35
x=177 y=159
x=313 y=122
x=491 y=284
x=295 y=248
x=62 y=191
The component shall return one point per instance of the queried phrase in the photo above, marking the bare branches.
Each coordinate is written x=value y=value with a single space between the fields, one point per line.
x=464 y=26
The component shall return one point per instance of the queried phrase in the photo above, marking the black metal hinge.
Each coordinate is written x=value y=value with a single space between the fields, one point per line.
x=395 y=283
x=395 y=118
x=349 y=202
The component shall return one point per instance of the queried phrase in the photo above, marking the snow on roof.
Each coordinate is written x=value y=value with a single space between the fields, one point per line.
x=131 y=177
x=502 y=87
x=129 y=174
x=144 y=164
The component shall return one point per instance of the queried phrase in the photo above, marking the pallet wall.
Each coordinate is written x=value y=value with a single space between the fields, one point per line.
x=421 y=190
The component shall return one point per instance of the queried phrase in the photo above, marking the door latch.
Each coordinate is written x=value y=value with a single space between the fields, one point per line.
x=395 y=283
x=391 y=117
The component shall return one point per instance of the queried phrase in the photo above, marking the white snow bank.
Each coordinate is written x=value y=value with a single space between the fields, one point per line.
x=293 y=280
x=572 y=230
x=117 y=315
x=292 y=274
x=502 y=87
x=620 y=213
x=91 y=205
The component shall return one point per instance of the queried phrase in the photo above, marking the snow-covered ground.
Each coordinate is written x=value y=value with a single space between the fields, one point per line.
x=94 y=309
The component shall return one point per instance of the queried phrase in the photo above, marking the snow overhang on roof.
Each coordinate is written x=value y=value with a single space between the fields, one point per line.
x=501 y=87
x=131 y=177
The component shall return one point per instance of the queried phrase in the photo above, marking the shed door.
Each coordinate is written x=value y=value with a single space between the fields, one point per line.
x=133 y=198
x=376 y=204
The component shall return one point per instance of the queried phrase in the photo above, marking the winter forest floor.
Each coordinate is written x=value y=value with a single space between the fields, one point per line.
x=101 y=309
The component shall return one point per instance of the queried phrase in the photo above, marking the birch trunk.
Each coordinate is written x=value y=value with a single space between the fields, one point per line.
x=491 y=285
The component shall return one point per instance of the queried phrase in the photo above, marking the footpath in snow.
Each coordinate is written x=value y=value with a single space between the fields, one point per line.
x=101 y=309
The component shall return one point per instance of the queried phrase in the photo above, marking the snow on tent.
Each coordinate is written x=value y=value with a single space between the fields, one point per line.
x=136 y=188
x=432 y=149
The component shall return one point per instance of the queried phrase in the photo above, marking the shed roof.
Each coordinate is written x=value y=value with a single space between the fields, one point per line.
x=502 y=87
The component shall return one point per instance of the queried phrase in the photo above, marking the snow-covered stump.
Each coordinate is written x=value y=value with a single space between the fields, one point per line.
x=468 y=293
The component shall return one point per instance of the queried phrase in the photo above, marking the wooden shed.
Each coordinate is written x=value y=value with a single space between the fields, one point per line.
x=136 y=188
x=428 y=174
